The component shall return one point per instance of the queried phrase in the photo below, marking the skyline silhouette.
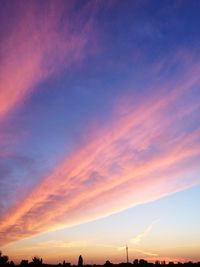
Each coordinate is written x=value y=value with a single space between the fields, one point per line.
x=37 y=261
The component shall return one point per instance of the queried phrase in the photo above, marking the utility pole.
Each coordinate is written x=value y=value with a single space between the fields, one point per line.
x=127 y=254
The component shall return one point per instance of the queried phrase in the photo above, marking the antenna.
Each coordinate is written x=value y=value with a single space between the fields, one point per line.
x=127 y=254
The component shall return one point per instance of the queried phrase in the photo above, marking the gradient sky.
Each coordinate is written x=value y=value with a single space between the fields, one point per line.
x=100 y=130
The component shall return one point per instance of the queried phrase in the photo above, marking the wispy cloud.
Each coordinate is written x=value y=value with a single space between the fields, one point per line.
x=57 y=244
x=140 y=251
x=146 y=253
x=41 y=40
x=142 y=155
x=138 y=238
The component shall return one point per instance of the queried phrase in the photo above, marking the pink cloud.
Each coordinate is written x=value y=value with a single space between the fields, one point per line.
x=39 y=44
x=144 y=154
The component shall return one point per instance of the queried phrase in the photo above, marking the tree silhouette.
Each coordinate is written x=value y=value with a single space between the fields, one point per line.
x=143 y=262
x=108 y=263
x=3 y=258
x=80 y=261
x=24 y=263
x=37 y=261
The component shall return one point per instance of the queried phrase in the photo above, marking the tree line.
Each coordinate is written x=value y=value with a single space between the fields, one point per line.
x=38 y=262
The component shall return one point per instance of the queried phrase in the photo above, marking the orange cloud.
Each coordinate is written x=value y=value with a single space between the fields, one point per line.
x=144 y=154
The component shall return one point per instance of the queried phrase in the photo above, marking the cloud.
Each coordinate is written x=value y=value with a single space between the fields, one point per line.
x=140 y=251
x=38 y=41
x=138 y=238
x=147 y=253
x=51 y=244
x=148 y=150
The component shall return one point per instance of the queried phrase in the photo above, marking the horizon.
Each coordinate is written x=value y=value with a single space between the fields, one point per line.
x=39 y=261
x=100 y=130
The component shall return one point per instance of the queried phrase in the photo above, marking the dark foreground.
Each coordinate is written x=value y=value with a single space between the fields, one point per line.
x=38 y=262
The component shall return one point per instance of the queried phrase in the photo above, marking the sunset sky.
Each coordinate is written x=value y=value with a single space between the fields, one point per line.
x=100 y=130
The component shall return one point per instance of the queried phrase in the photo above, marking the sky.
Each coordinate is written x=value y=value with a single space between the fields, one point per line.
x=100 y=130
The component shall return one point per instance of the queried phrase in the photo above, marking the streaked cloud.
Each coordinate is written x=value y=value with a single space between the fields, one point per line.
x=138 y=238
x=131 y=249
x=36 y=45
x=143 y=154
x=146 y=253
x=53 y=244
